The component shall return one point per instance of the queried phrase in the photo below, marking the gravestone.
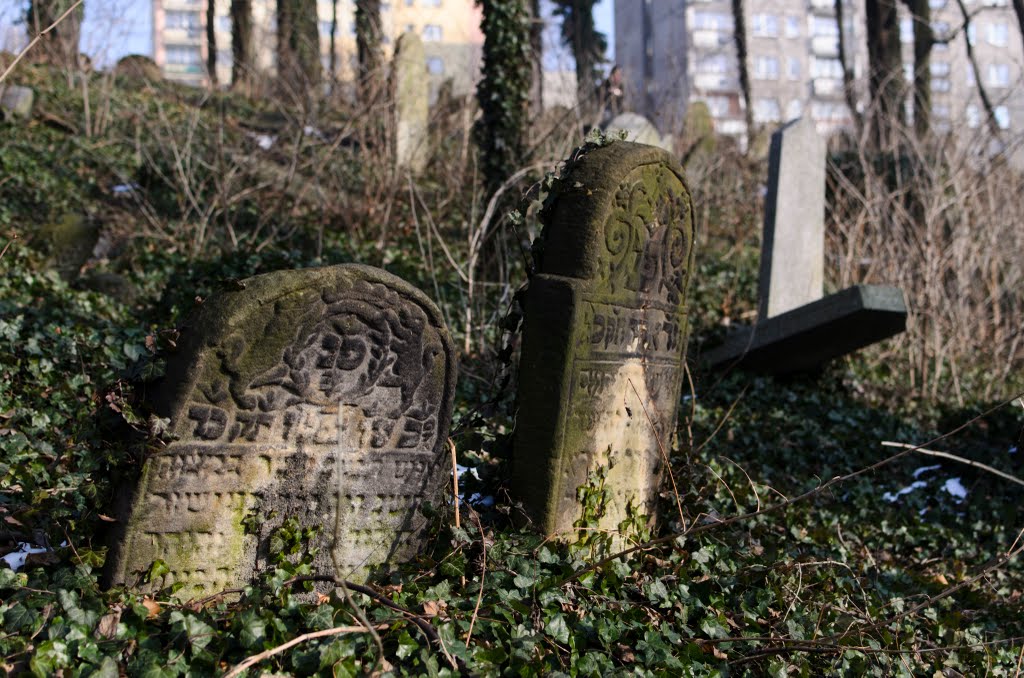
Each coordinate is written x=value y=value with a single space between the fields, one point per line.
x=16 y=101
x=638 y=129
x=412 y=108
x=605 y=336
x=799 y=328
x=793 y=246
x=321 y=395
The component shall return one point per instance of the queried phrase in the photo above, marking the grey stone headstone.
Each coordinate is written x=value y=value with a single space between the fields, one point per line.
x=639 y=130
x=412 y=106
x=16 y=101
x=604 y=337
x=322 y=395
x=793 y=248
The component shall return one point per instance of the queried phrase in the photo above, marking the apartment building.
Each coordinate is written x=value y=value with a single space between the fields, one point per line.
x=674 y=52
x=450 y=30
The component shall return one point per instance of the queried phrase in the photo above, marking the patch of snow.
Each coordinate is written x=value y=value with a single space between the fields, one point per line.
x=890 y=497
x=1013 y=449
x=925 y=469
x=477 y=498
x=956 y=488
x=121 y=189
x=16 y=559
x=463 y=469
x=265 y=141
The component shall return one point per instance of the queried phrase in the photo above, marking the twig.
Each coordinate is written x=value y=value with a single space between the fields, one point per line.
x=266 y=654
x=38 y=37
x=361 y=616
x=483 y=574
x=455 y=483
x=13 y=238
x=664 y=456
x=947 y=455
x=698 y=529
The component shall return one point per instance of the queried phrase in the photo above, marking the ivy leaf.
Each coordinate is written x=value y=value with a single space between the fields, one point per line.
x=406 y=645
x=557 y=628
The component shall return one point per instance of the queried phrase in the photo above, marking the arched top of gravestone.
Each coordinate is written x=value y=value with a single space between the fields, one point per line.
x=638 y=129
x=622 y=212
x=249 y=342
x=409 y=51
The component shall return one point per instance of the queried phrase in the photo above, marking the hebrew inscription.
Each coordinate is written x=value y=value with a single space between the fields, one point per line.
x=605 y=336
x=322 y=396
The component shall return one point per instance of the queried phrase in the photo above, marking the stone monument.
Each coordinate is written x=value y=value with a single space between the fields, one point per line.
x=16 y=101
x=412 y=108
x=605 y=335
x=799 y=328
x=638 y=129
x=322 y=395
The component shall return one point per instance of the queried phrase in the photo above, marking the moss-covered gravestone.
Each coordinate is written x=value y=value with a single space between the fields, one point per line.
x=320 y=395
x=412 y=108
x=605 y=336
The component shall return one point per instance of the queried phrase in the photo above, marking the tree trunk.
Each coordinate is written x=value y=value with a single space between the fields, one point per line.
x=59 y=46
x=924 y=40
x=740 y=38
x=990 y=113
x=211 y=41
x=333 y=75
x=298 y=42
x=536 y=59
x=588 y=46
x=368 y=40
x=885 y=69
x=242 y=53
x=849 y=91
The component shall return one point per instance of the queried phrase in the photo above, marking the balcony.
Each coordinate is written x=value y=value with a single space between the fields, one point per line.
x=827 y=88
x=714 y=82
x=825 y=46
x=826 y=7
x=708 y=39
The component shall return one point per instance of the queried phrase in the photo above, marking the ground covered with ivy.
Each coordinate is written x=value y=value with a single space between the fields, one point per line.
x=794 y=542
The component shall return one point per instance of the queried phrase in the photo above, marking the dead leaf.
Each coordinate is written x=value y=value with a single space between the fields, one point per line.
x=432 y=608
x=106 y=519
x=940 y=579
x=152 y=606
x=107 y=628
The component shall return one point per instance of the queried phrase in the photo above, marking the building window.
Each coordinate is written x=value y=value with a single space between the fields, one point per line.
x=940 y=112
x=224 y=58
x=224 y=23
x=821 y=110
x=998 y=75
x=936 y=4
x=794 y=109
x=939 y=69
x=908 y=72
x=431 y=3
x=940 y=84
x=824 y=26
x=826 y=68
x=998 y=34
x=767 y=110
x=182 y=20
x=325 y=27
x=793 y=68
x=408 y=3
x=718 y=106
x=183 y=55
x=940 y=29
x=712 y=21
x=716 y=63
x=435 y=65
x=906 y=30
x=432 y=33
x=1002 y=114
x=970 y=77
x=792 y=26
x=973 y=116
x=972 y=34
x=766 y=68
x=765 y=25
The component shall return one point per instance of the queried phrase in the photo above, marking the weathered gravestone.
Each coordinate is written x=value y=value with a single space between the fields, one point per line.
x=605 y=336
x=16 y=101
x=638 y=129
x=411 y=103
x=798 y=327
x=323 y=395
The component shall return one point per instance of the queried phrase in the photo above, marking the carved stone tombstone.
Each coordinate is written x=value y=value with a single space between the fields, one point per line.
x=605 y=336
x=321 y=395
x=412 y=108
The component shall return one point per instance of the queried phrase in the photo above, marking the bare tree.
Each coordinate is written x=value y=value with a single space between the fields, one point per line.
x=242 y=52
x=536 y=58
x=990 y=114
x=298 y=42
x=885 y=69
x=587 y=43
x=924 y=40
x=849 y=91
x=211 y=42
x=368 y=41
x=739 y=32
x=60 y=45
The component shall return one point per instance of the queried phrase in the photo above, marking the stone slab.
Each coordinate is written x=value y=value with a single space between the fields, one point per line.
x=638 y=129
x=604 y=337
x=16 y=101
x=412 y=105
x=320 y=395
x=805 y=338
x=793 y=246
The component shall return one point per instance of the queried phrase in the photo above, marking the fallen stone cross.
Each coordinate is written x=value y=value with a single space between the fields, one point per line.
x=799 y=328
x=319 y=395
x=411 y=103
x=604 y=337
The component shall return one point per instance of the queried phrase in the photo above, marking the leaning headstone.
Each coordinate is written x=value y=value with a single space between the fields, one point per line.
x=604 y=337
x=638 y=129
x=793 y=246
x=412 y=108
x=16 y=102
x=321 y=396
x=799 y=328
